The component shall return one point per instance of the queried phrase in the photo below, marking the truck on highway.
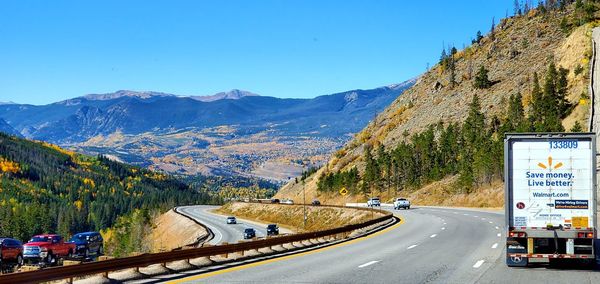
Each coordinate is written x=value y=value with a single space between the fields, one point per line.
x=373 y=201
x=48 y=249
x=550 y=197
x=401 y=203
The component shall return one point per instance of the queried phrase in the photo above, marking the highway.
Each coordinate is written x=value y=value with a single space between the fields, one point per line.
x=430 y=245
x=229 y=233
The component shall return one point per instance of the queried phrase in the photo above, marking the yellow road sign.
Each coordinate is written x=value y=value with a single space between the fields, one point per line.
x=343 y=191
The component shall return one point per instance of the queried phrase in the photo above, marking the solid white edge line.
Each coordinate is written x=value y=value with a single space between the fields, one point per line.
x=495 y=245
x=368 y=263
x=478 y=263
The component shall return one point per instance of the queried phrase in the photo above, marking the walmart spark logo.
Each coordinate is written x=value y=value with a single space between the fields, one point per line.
x=549 y=166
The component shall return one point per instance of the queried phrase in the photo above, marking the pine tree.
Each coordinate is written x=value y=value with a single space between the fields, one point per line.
x=478 y=37
x=552 y=101
x=536 y=114
x=493 y=29
x=481 y=79
x=577 y=127
x=371 y=168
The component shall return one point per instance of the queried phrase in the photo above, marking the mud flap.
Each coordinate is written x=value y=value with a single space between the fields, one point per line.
x=516 y=261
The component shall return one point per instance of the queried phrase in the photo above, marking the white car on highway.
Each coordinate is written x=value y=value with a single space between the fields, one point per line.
x=287 y=201
x=401 y=203
x=374 y=201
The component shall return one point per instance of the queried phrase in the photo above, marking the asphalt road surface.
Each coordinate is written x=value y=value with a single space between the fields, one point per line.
x=430 y=245
x=230 y=233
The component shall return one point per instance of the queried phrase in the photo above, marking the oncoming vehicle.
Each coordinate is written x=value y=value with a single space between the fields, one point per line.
x=249 y=233
x=401 y=203
x=373 y=201
x=231 y=220
x=287 y=201
x=272 y=229
x=47 y=249
x=11 y=252
x=316 y=202
x=88 y=244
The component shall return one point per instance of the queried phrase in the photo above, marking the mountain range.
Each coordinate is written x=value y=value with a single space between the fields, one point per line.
x=115 y=123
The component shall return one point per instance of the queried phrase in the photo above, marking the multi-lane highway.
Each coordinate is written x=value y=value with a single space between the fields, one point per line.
x=229 y=233
x=430 y=245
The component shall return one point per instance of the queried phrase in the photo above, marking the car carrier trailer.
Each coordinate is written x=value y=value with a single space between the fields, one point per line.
x=550 y=197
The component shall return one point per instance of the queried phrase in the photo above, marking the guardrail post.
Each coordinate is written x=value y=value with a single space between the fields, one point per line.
x=226 y=254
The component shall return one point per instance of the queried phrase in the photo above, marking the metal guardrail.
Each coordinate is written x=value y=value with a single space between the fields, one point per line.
x=99 y=267
x=209 y=233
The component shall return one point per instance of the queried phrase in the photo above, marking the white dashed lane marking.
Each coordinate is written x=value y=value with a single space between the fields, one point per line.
x=411 y=247
x=478 y=263
x=368 y=263
x=495 y=245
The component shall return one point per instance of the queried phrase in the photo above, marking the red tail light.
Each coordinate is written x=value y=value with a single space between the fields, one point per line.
x=588 y=235
x=517 y=234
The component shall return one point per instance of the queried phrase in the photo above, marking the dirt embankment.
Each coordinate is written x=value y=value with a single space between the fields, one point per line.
x=291 y=216
x=445 y=193
x=172 y=230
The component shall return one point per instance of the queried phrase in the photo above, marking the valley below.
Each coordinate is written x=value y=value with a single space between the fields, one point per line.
x=222 y=151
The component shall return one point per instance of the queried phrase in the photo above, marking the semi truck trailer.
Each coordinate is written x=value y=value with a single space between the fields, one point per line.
x=550 y=197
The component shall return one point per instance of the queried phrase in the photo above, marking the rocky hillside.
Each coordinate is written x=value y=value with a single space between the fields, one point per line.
x=517 y=48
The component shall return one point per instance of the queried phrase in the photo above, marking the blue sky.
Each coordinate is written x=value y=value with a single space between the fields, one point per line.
x=54 y=50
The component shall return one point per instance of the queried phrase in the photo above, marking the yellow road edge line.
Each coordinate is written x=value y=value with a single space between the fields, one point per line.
x=266 y=261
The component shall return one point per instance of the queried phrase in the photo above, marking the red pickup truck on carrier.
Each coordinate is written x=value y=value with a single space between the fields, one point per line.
x=47 y=249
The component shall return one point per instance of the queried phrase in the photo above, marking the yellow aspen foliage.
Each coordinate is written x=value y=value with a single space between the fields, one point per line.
x=78 y=204
x=89 y=182
x=7 y=166
x=59 y=149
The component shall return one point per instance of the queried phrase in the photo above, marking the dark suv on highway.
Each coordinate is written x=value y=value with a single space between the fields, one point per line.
x=88 y=244
x=11 y=252
x=249 y=233
x=272 y=229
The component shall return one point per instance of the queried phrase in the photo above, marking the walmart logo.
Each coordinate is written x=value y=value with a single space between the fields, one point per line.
x=549 y=166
